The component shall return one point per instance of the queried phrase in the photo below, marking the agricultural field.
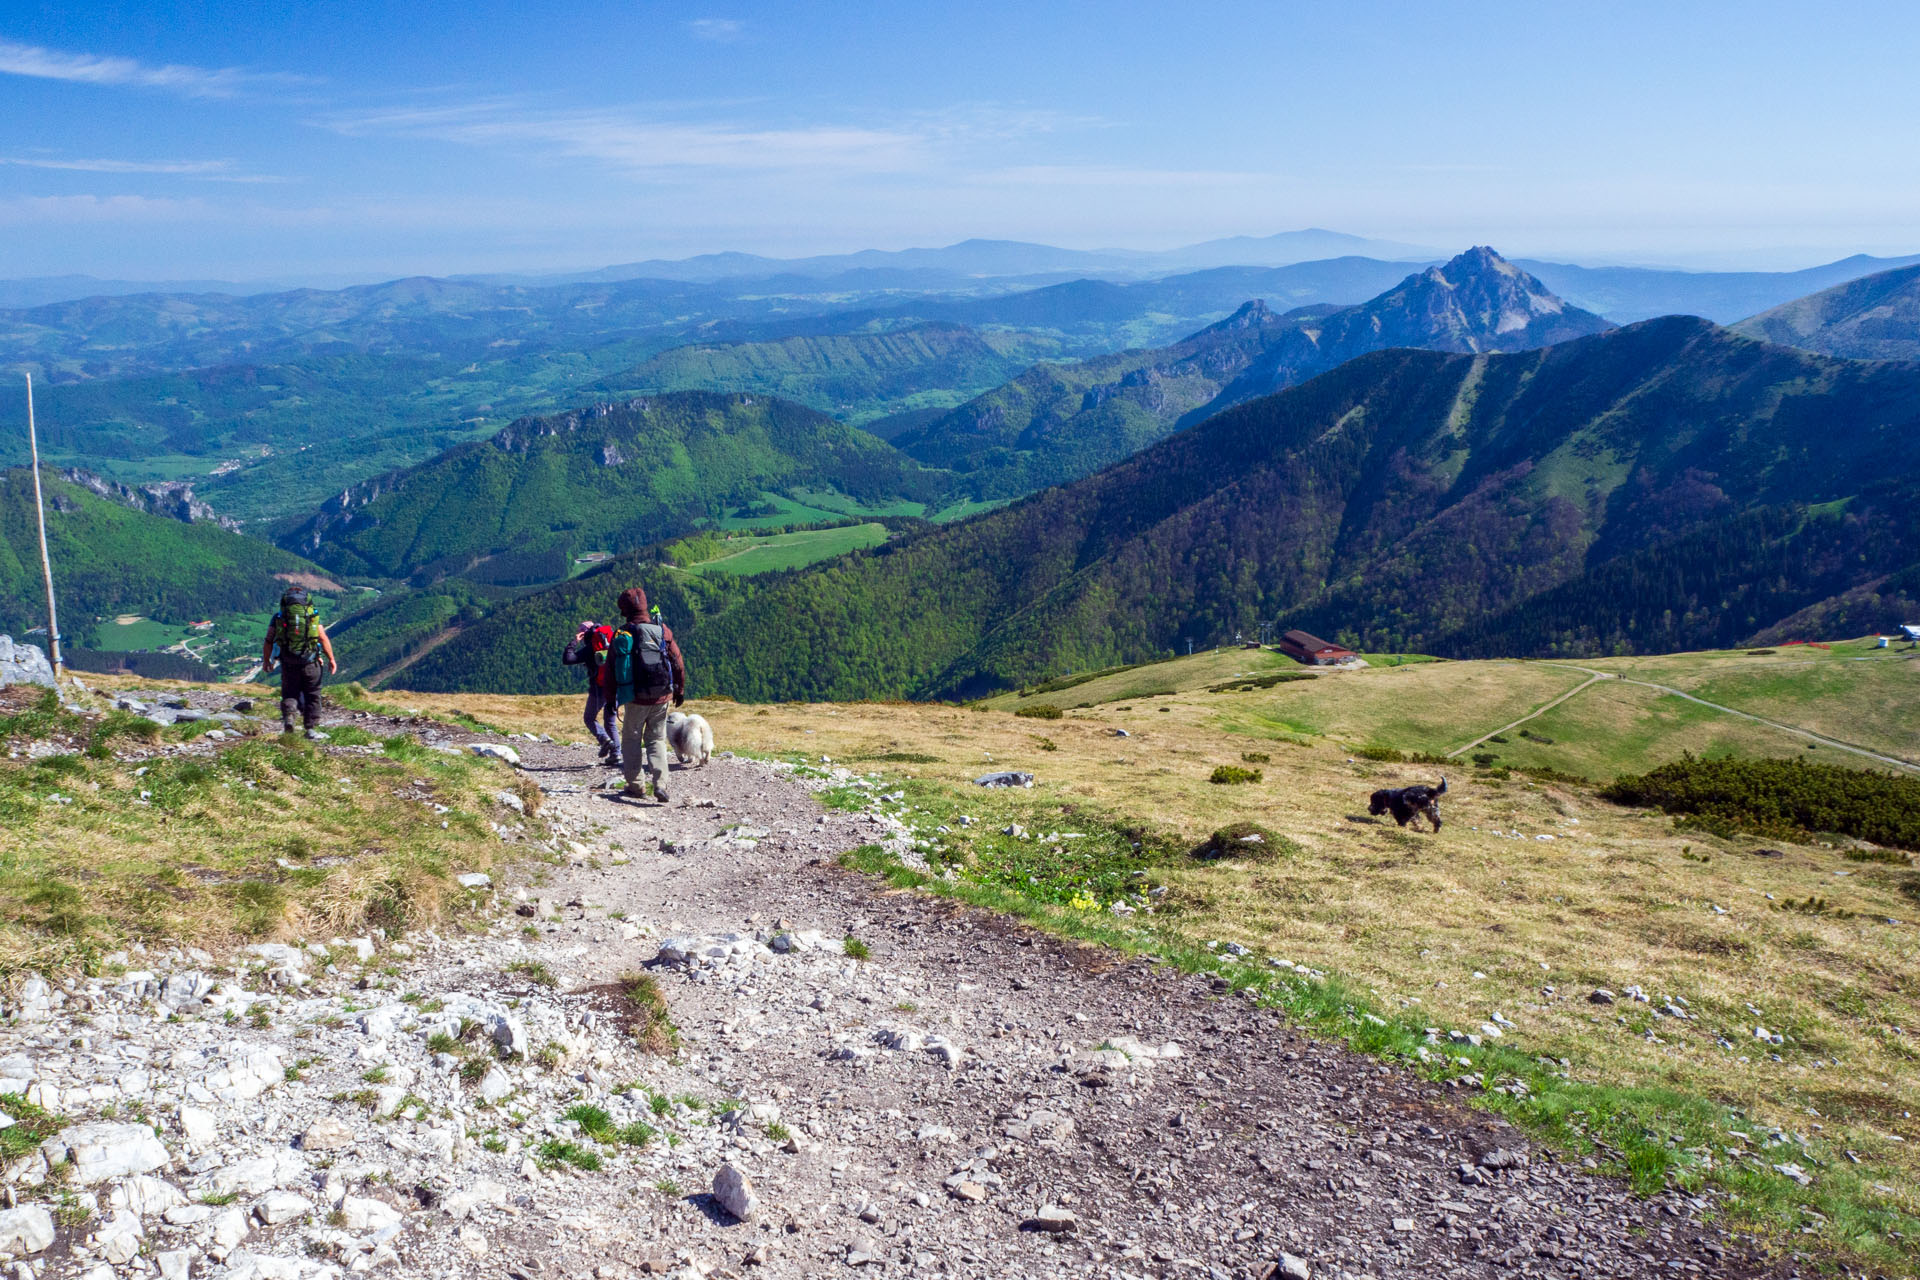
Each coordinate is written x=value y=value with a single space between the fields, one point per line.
x=747 y=556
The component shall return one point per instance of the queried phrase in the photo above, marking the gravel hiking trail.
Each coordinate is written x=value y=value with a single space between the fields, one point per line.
x=958 y=1095
x=979 y=1099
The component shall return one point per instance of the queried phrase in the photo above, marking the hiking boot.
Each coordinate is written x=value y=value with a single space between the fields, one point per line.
x=660 y=792
x=633 y=791
x=613 y=762
x=315 y=735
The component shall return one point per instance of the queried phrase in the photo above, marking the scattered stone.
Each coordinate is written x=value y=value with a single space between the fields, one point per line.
x=102 y=1150
x=1006 y=778
x=734 y=1192
x=329 y=1133
x=1601 y=996
x=1052 y=1219
x=277 y=1207
x=494 y=751
x=28 y=1229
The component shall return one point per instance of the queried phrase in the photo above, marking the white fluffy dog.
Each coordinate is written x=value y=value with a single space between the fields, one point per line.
x=690 y=736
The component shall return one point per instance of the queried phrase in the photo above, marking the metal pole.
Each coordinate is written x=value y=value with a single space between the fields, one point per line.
x=40 y=510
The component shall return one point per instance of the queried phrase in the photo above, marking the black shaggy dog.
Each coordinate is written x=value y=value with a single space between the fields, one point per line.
x=1406 y=803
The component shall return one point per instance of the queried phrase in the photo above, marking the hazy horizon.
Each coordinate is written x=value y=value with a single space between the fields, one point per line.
x=361 y=142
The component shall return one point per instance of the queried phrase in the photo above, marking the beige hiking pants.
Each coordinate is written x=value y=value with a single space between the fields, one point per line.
x=643 y=740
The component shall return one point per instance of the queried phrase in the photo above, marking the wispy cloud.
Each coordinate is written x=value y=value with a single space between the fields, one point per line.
x=718 y=29
x=631 y=142
x=106 y=69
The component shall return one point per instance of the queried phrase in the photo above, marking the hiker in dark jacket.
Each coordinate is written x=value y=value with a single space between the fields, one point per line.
x=644 y=672
x=297 y=640
x=588 y=649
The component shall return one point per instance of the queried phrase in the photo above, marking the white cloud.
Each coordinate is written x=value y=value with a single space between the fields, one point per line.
x=715 y=28
x=628 y=142
x=102 y=69
x=67 y=210
x=191 y=168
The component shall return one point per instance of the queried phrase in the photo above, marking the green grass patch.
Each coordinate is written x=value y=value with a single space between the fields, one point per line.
x=31 y=1126
x=650 y=1025
x=1039 y=711
x=553 y=1153
x=535 y=972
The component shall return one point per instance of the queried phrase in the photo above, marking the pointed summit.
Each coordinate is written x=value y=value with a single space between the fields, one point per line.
x=1477 y=302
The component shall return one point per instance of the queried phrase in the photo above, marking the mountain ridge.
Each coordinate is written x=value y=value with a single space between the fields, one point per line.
x=1672 y=475
x=1876 y=317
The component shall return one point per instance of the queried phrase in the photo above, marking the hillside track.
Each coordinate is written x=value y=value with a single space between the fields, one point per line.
x=1252 y=1141
x=1796 y=730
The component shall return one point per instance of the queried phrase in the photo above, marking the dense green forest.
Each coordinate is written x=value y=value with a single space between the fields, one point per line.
x=1407 y=501
x=610 y=477
x=111 y=559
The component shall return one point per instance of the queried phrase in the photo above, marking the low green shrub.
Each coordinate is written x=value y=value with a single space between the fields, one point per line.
x=1245 y=840
x=1040 y=711
x=1787 y=798
x=1233 y=774
x=1247 y=684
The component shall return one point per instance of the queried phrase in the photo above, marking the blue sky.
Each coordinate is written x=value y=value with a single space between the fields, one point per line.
x=315 y=140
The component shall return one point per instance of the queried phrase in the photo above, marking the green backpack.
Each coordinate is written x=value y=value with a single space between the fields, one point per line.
x=638 y=668
x=299 y=628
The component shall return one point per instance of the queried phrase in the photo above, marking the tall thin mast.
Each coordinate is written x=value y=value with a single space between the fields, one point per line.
x=40 y=510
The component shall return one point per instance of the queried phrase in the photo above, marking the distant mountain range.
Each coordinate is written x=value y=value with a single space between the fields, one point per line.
x=1626 y=294
x=1873 y=318
x=990 y=258
x=1667 y=485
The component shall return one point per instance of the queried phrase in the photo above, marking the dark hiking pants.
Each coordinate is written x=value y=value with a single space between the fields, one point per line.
x=300 y=693
x=600 y=717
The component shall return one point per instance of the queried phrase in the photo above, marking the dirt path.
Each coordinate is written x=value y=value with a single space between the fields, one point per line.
x=1542 y=709
x=1243 y=1141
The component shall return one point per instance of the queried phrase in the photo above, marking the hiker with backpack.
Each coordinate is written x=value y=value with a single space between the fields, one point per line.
x=644 y=673
x=588 y=649
x=296 y=642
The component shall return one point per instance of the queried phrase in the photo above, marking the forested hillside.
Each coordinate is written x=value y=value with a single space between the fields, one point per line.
x=109 y=558
x=1875 y=318
x=612 y=477
x=1675 y=484
x=1058 y=422
x=856 y=376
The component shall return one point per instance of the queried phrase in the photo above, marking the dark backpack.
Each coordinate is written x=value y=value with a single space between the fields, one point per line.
x=638 y=669
x=299 y=628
